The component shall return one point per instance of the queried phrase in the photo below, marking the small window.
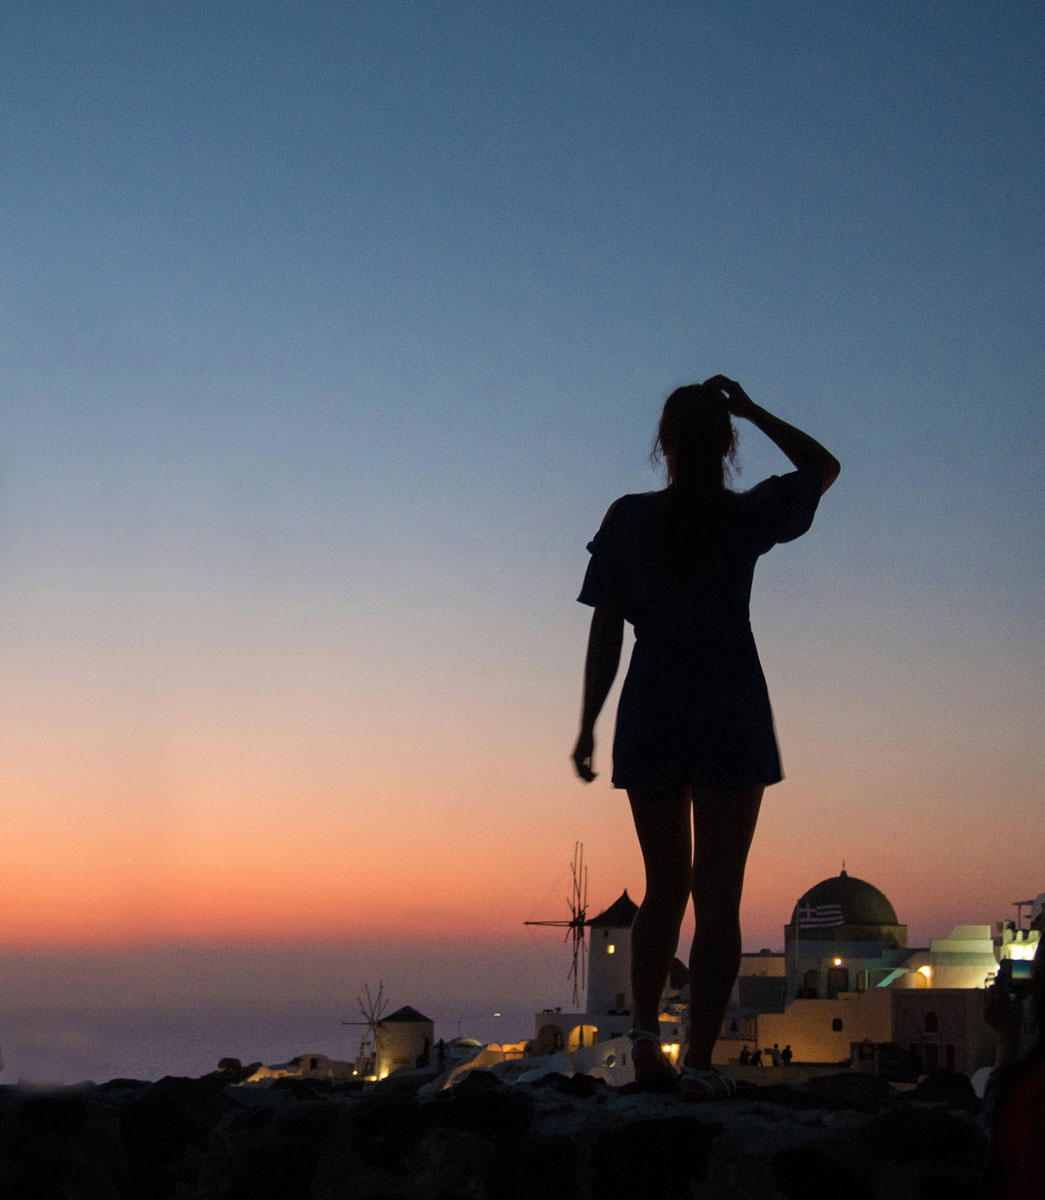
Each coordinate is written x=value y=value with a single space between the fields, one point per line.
x=836 y=1025
x=611 y=949
x=932 y=1023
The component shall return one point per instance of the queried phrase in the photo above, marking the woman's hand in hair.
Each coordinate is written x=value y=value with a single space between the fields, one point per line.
x=739 y=402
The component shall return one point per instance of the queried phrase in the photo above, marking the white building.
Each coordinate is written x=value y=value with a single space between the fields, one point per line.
x=847 y=985
x=608 y=1002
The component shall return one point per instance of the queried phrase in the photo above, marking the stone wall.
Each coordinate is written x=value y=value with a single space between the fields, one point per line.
x=560 y=1138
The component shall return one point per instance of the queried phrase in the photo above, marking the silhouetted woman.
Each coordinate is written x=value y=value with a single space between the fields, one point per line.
x=694 y=744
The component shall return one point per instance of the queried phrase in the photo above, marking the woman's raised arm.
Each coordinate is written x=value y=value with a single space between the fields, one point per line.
x=799 y=447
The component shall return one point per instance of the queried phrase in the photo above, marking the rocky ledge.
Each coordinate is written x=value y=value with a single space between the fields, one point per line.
x=559 y=1138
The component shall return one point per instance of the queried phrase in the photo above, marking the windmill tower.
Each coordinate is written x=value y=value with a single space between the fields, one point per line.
x=576 y=924
x=372 y=1010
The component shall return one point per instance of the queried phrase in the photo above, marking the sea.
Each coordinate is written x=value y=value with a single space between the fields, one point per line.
x=57 y=1045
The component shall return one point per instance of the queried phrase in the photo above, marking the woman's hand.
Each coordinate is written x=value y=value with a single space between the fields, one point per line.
x=582 y=755
x=739 y=402
x=600 y=669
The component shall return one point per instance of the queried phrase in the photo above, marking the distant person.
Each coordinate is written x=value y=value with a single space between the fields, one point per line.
x=1015 y=1096
x=694 y=745
x=775 y=1055
x=756 y=1059
x=786 y=1054
x=745 y=1056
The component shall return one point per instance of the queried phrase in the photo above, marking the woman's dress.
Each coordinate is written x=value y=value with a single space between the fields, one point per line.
x=694 y=709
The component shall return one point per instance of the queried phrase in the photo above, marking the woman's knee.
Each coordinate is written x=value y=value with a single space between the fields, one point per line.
x=668 y=895
x=716 y=910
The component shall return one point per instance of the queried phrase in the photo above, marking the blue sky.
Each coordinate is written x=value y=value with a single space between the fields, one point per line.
x=329 y=333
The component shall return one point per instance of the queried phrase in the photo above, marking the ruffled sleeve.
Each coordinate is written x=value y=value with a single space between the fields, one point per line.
x=783 y=506
x=602 y=587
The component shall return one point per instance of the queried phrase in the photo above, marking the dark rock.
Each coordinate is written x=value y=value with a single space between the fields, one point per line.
x=122 y=1085
x=59 y=1114
x=159 y=1126
x=787 y=1095
x=43 y=1145
x=948 y=1186
x=917 y=1133
x=653 y=1159
x=805 y=1173
x=404 y=1082
x=385 y=1128
x=300 y=1089
x=581 y=1086
x=279 y=1163
x=501 y=1111
x=850 y=1089
x=311 y=1121
x=186 y=1139
x=543 y=1167
x=948 y=1087
x=550 y=1080
x=479 y=1081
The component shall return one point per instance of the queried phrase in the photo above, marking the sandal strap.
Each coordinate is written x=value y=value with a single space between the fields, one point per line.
x=644 y=1035
x=718 y=1086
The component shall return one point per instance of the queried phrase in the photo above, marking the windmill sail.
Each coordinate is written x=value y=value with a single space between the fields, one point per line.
x=576 y=924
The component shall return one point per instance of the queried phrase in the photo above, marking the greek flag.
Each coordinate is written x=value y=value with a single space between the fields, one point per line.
x=820 y=916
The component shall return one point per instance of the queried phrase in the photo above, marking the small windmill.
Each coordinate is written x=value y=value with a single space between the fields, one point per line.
x=577 y=923
x=366 y=1059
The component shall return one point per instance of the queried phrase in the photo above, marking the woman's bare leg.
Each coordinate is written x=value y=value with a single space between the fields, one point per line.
x=723 y=826
x=662 y=822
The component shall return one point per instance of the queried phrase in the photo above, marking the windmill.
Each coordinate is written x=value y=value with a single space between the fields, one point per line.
x=366 y=1059
x=577 y=903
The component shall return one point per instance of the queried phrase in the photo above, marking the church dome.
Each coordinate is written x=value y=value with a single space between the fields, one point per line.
x=842 y=900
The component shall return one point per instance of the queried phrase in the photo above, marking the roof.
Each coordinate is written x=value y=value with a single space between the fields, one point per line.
x=619 y=915
x=404 y=1015
x=844 y=900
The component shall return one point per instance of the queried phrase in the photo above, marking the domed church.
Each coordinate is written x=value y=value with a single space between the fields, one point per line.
x=847 y=908
x=843 y=936
x=849 y=988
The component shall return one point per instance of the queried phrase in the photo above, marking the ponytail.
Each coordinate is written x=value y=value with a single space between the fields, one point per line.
x=697 y=443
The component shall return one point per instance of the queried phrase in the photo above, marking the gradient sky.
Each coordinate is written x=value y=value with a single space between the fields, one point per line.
x=330 y=330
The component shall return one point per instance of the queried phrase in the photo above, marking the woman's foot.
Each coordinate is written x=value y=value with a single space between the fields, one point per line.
x=701 y=1084
x=653 y=1069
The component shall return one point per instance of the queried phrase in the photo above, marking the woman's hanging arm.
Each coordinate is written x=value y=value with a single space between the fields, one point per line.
x=605 y=638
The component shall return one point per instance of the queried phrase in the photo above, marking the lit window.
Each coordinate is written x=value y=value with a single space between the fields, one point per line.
x=611 y=949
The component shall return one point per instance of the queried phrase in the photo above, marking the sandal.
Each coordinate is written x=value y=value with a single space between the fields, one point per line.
x=702 y=1085
x=656 y=1074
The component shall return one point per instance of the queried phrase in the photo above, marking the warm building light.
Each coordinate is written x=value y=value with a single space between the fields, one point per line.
x=926 y=971
x=611 y=949
x=838 y=962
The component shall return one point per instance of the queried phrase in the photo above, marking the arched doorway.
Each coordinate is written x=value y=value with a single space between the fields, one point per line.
x=581 y=1036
